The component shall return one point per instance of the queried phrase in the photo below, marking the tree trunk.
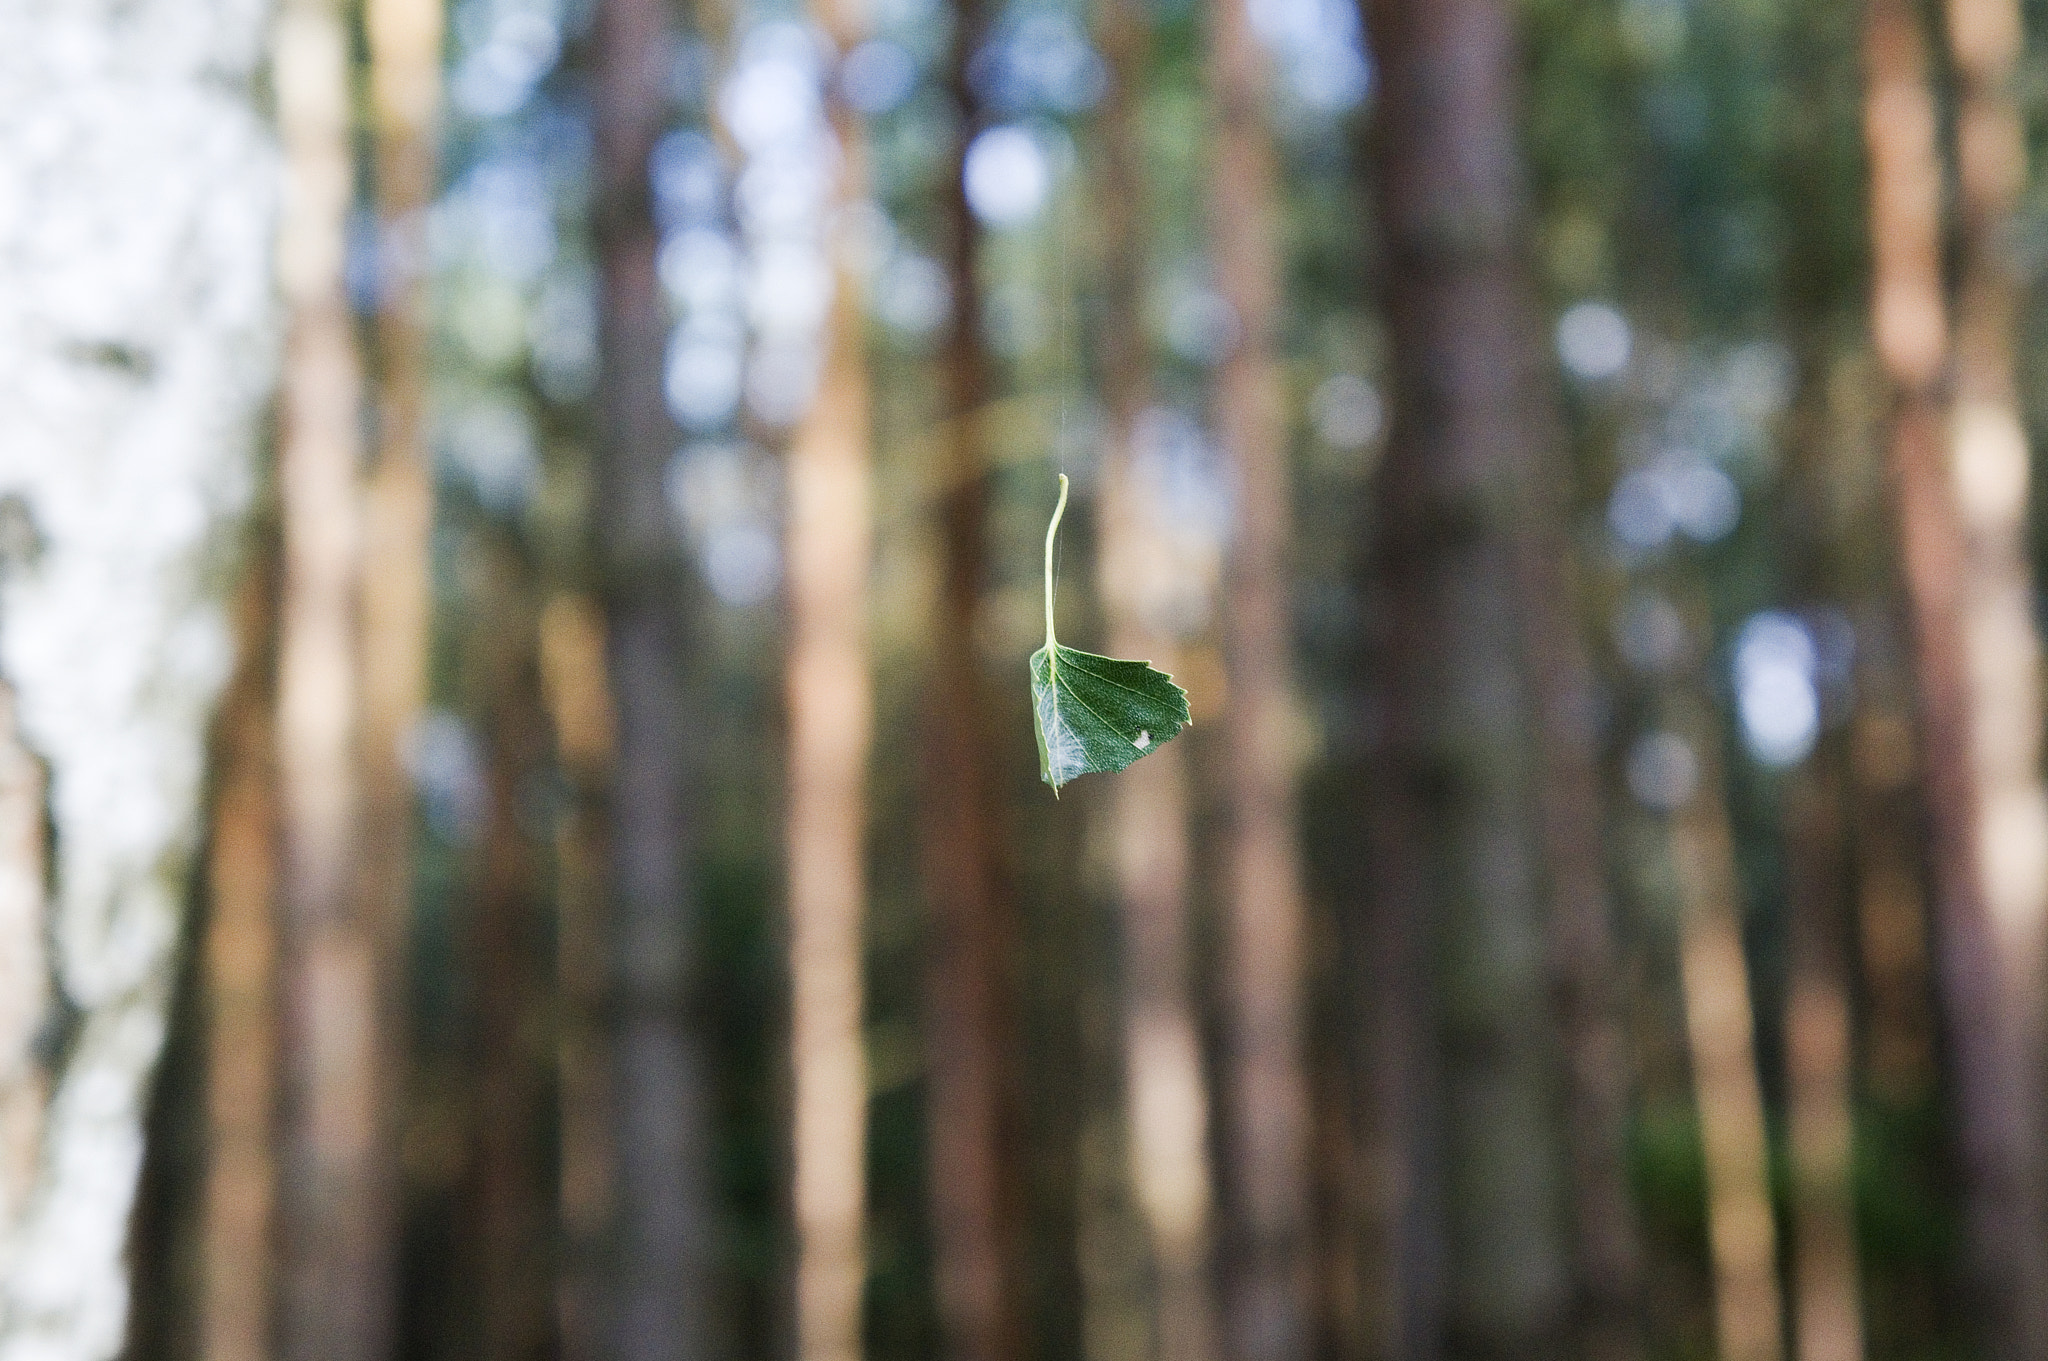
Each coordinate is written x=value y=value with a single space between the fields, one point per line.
x=24 y=953
x=1582 y=968
x=1988 y=470
x=660 y=1306
x=1897 y=1043
x=404 y=89
x=1829 y=510
x=1891 y=909
x=236 y=1292
x=1721 y=1043
x=1486 y=808
x=1961 y=505
x=1826 y=1280
x=135 y=332
x=1581 y=963
x=393 y=601
x=1165 y=1087
x=1404 y=1256
x=574 y=683
x=1265 y=1075
x=336 y=1199
x=831 y=720
x=968 y=1004
x=509 y=1213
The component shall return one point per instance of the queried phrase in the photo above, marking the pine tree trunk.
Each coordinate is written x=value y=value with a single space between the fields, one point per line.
x=574 y=683
x=1165 y=1088
x=404 y=89
x=236 y=1292
x=1828 y=509
x=136 y=334
x=1267 y=1128
x=510 y=1215
x=337 y=1197
x=1989 y=470
x=660 y=1298
x=1961 y=505
x=1581 y=962
x=1404 y=1256
x=1486 y=824
x=1582 y=967
x=1892 y=936
x=1742 y=1234
x=968 y=1004
x=831 y=721
x=1826 y=1280
x=393 y=589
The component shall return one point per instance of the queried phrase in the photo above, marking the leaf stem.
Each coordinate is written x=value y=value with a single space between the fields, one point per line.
x=1051 y=531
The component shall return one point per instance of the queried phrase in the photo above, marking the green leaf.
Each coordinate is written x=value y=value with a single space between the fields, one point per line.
x=1095 y=713
x=1098 y=713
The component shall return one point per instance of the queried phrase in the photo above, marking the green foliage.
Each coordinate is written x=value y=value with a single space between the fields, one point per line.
x=1095 y=713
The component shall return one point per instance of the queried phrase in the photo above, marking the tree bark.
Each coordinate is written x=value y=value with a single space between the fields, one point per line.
x=970 y=1126
x=1265 y=1075
x=575 y=686
x=831 y=721
x=1581 y=963
x=337 y=1199
x=24 y=906
x=136 y=333
x=398 y=505
x=1487 y=822
x=237 y=1307
x=1898 y=1040
x=1961 y=498
x=393 y=588
x=1989 y=471
x=1742 y=1234
x=510 y=1215
x=660 y=1305
x=1828 y=510
x=1826 y=1280
x=1165 y=1088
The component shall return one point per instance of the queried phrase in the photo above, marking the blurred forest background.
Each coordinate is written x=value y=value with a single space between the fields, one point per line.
x=519 y=538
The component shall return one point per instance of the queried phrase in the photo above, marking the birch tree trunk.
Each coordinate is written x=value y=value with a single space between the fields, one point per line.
x=659 y=1305
x=136 y=347
x=1961 y=500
